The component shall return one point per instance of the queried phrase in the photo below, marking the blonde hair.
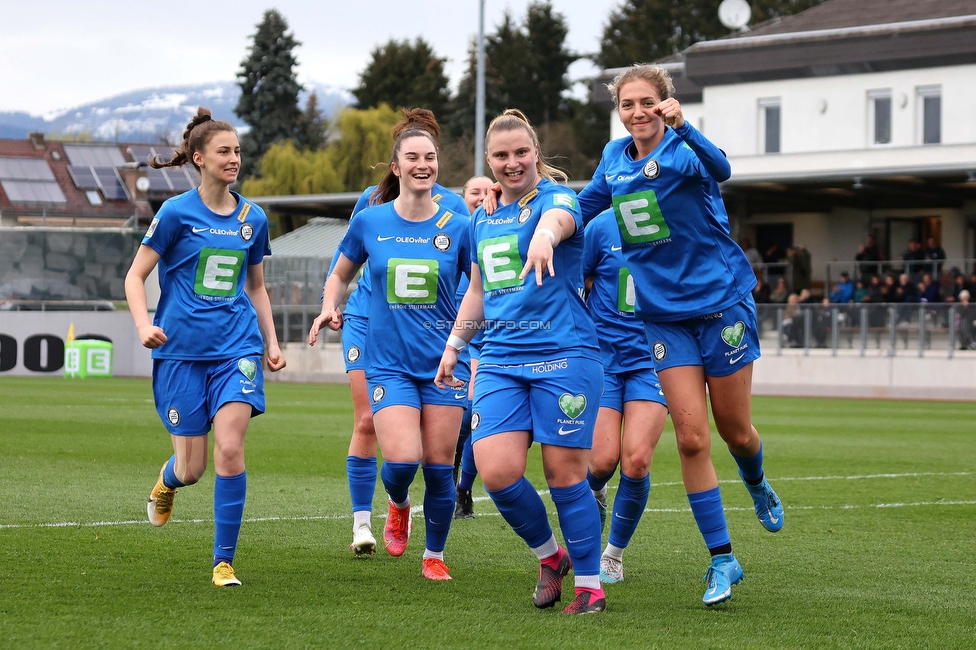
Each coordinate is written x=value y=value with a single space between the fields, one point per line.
x=513 y=119
x=652 y=74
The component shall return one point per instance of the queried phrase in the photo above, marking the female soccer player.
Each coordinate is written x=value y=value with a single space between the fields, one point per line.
x=539 y=376
x=417 y=251
x=694 y=294
x=206 y=335
x=361 y=461
x=474 y=192
x=631 y=396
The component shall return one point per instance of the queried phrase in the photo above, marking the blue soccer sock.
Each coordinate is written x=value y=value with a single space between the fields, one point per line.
x=397 y=478
x=751 y=469
x=229 y=493
x=579 y=519
x=468 y=469
x=169 y=474
x=628 y=507
x=597 y=484
x=361 y=475
x=522 y=508
x=707 y=508
x=438 y=504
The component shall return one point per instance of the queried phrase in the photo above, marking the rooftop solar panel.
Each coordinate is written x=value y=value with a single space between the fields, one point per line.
x=110 y=184
x=89 y=155
x=33 y=191
x=141 y=154
x=157 y=181
x=83 y=177
x=25 y=169
x=179 y=179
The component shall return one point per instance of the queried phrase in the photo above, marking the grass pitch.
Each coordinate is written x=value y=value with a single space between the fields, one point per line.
x=876 y=552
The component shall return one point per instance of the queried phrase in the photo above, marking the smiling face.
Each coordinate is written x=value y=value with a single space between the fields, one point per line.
x=220 y=159
x=475 y=191
x=513 y=158
x=416 y=164
x=635 y=101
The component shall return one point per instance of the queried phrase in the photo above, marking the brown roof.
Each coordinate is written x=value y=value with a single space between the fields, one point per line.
x=838 y=14
x=76 y=209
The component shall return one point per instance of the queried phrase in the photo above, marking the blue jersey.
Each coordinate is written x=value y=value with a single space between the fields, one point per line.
x=611 y=300
x=414 y=269
x=526 y=323
x=358 y=303
x=673 y=223
x=203 y=263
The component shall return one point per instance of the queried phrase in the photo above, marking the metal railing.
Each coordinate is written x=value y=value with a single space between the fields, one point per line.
x=940 y=270
x=922 y=328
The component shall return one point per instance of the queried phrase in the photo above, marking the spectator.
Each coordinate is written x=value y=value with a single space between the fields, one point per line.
x=799 y=260
x=844 y=289
x=793 y=318
x=874 y=293
x=905 y=293
x=971 y=285
x=823 y=321
x=965 y=317
x=869 y=254
x=913 y=256
x=935 y=253
x=761 y=292
x=958 y=285
x=780 y=292
x=754 y=256
x=860 y=292
x=928 y=289
x=806 y=298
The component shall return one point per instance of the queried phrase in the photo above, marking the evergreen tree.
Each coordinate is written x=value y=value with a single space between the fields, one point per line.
x=311 y=131
x=641 y=31
x=404 y=74
x=269 y=90
x=549 y=62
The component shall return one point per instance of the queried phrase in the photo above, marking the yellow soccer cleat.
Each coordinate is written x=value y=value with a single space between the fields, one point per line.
x=223 y=576
x=160 y=504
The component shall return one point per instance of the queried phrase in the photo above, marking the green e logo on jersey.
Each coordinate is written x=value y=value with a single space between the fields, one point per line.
x=626 y=294
x=217 y=272
x=639 y=217
x=411 y=282
x=500 y=262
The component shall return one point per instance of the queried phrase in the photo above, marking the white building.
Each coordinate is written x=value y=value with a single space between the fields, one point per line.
x=852 y=118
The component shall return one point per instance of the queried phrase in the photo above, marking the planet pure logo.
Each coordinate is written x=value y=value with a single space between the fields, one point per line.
x=572 y=405
x=733 y=334
x=248 y=367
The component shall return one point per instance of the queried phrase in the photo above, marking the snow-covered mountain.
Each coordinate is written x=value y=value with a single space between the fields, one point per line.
x=153 y=115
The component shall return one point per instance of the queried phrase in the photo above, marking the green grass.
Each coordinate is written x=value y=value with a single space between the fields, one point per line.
x=845 y=572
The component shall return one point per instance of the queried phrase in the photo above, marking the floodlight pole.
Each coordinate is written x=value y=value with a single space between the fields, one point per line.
x=479 y=108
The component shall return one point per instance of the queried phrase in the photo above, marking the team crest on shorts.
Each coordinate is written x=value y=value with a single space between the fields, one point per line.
x=247 y=231
x=173 y=416
x=652 y=169
x=524 y=215
x=378 y=394
x=659 y=350
x=248 y=367
x=352 y=356
x=442 y=241
x=475 y=420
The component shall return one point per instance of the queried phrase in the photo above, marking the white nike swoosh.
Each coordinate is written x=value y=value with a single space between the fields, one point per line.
x=616 y=248
x=478 y=223
x=735 y=360
x=247 y=390
x=577 y=541
x=566 y=433
x=378 y=238
x=773 y=519
x=201 y=229
x=460 y=396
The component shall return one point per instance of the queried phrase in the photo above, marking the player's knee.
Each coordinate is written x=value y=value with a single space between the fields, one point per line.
x=364 y=425
x=601 y=466
x=693 y=441
x=635 y=465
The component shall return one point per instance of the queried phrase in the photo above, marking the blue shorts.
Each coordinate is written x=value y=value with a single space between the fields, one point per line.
x=722 y=342
x=556 y=401
x=189 y=393
x=354 y=342
x=630 y=386
x=388 y=389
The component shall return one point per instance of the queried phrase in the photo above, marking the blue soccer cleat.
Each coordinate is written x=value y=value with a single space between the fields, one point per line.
x=769 y=508
x=721 y=575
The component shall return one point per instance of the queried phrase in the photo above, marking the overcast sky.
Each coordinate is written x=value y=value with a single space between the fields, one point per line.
x=57 y=54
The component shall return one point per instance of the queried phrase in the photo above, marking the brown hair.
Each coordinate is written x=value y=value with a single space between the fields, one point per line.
x=389 y=188
x=513 y=119
x=652 y=74
x=414 y=119
x=196 y=136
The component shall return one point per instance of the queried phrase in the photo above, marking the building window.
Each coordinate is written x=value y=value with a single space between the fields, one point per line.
x=930 y=114
x=769 y=125
x=879 y=112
